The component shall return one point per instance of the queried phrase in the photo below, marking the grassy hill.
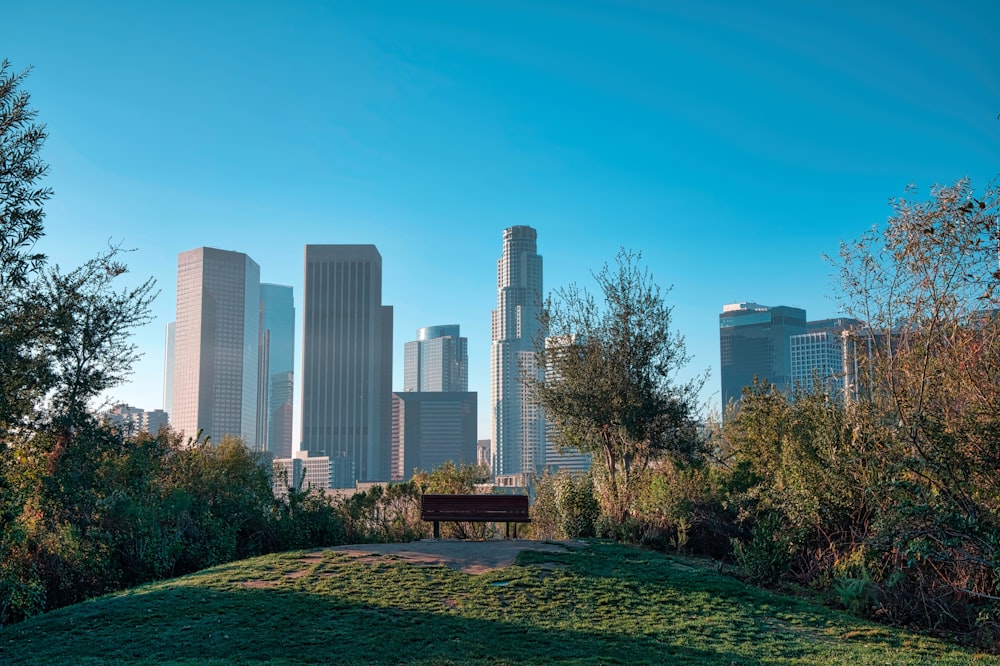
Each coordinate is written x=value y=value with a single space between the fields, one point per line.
x=605 y=604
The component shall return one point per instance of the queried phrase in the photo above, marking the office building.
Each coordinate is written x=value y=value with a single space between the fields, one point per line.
x=133 y=420
x=561 y=458
x=431 y=428
x=755 y=341
x=300 y=472
x=276 y=382
x=346 y=363
x=826 y=353
x=517 y=426
x=438 y=360
x=126 y=417
x=168 y=369
x=483 y=447
x=434 y=417
x=216 y=345
x=153 y=420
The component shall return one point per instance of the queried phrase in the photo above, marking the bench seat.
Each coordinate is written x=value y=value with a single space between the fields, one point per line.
x=475 y=508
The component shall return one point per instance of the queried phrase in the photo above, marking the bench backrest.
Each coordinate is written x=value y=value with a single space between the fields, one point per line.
x=474 y=507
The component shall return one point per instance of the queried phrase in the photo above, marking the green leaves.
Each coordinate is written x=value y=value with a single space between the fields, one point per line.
x=609 y=381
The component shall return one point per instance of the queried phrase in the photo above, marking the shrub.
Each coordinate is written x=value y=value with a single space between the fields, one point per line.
x=767 y=556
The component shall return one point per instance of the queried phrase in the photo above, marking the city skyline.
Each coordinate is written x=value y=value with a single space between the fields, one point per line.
x=733 y=146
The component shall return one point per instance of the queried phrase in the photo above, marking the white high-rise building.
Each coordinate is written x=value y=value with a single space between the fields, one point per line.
x=300 y=472
x=518 y=429
x=216 y=345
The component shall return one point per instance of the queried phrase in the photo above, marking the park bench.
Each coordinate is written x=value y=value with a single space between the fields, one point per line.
x=475 y=508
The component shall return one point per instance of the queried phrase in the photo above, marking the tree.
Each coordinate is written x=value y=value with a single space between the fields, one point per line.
x=927 y=287
x=21 y=216
x=610 y=385
x=63 y=335
x=64 y=339
x=21 y=199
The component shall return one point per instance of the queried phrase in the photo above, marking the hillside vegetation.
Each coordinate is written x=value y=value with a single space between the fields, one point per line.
x=601 y=604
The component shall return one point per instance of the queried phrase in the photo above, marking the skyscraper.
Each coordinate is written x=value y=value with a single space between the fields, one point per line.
x=556 y=457
x=216 y=344
x=826 y=352
x=346 y=363
x=277 y=342
x=518 y=429
x=438 y=360
x=755 y=341
x=434 y=417
x=430 y=428
x=168 y=369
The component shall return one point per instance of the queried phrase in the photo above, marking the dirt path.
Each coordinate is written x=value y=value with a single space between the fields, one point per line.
x=472 y=557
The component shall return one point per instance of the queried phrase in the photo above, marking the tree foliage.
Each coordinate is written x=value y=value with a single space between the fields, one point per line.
x=564 y=507
x=64 y=336
x=927 y=287
x=610 y=385
x=21 y=198
x=892 y=498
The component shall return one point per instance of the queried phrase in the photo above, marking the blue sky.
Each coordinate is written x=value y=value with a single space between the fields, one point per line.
x=732 y=144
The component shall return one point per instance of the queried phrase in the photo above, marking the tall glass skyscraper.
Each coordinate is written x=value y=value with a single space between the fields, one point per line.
x=438 y=360
x=346 y=363
x=168 y=369
x=277 y=317
x=216 y=344
x=755 y=341
x=518 y=429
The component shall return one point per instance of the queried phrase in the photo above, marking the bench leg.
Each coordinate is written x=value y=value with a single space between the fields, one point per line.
x=437 y=532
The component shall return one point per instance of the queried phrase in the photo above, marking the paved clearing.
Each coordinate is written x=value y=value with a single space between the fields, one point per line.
x=472 y=557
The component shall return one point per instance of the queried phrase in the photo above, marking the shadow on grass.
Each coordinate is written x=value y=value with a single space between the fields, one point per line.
x=251 y=625
x=608 y=604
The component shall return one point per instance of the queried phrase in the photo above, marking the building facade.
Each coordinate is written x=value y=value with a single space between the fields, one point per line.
x=561 y=458
x=133 y=420
x=346 y=363
x=168 y=368
x=430 y=428
x=434 y=417
x=755 y=341
x=216 y=345
x=826 y=353
x=153 y=420
x=517 y=426
x=277 y=360
x=438 y=360
x=300 y=472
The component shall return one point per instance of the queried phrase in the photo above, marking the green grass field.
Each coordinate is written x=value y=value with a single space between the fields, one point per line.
x=604 y=604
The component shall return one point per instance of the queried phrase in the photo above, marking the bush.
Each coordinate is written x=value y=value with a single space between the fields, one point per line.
x=565 y=506
x=383 y=514
x=767 y=556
